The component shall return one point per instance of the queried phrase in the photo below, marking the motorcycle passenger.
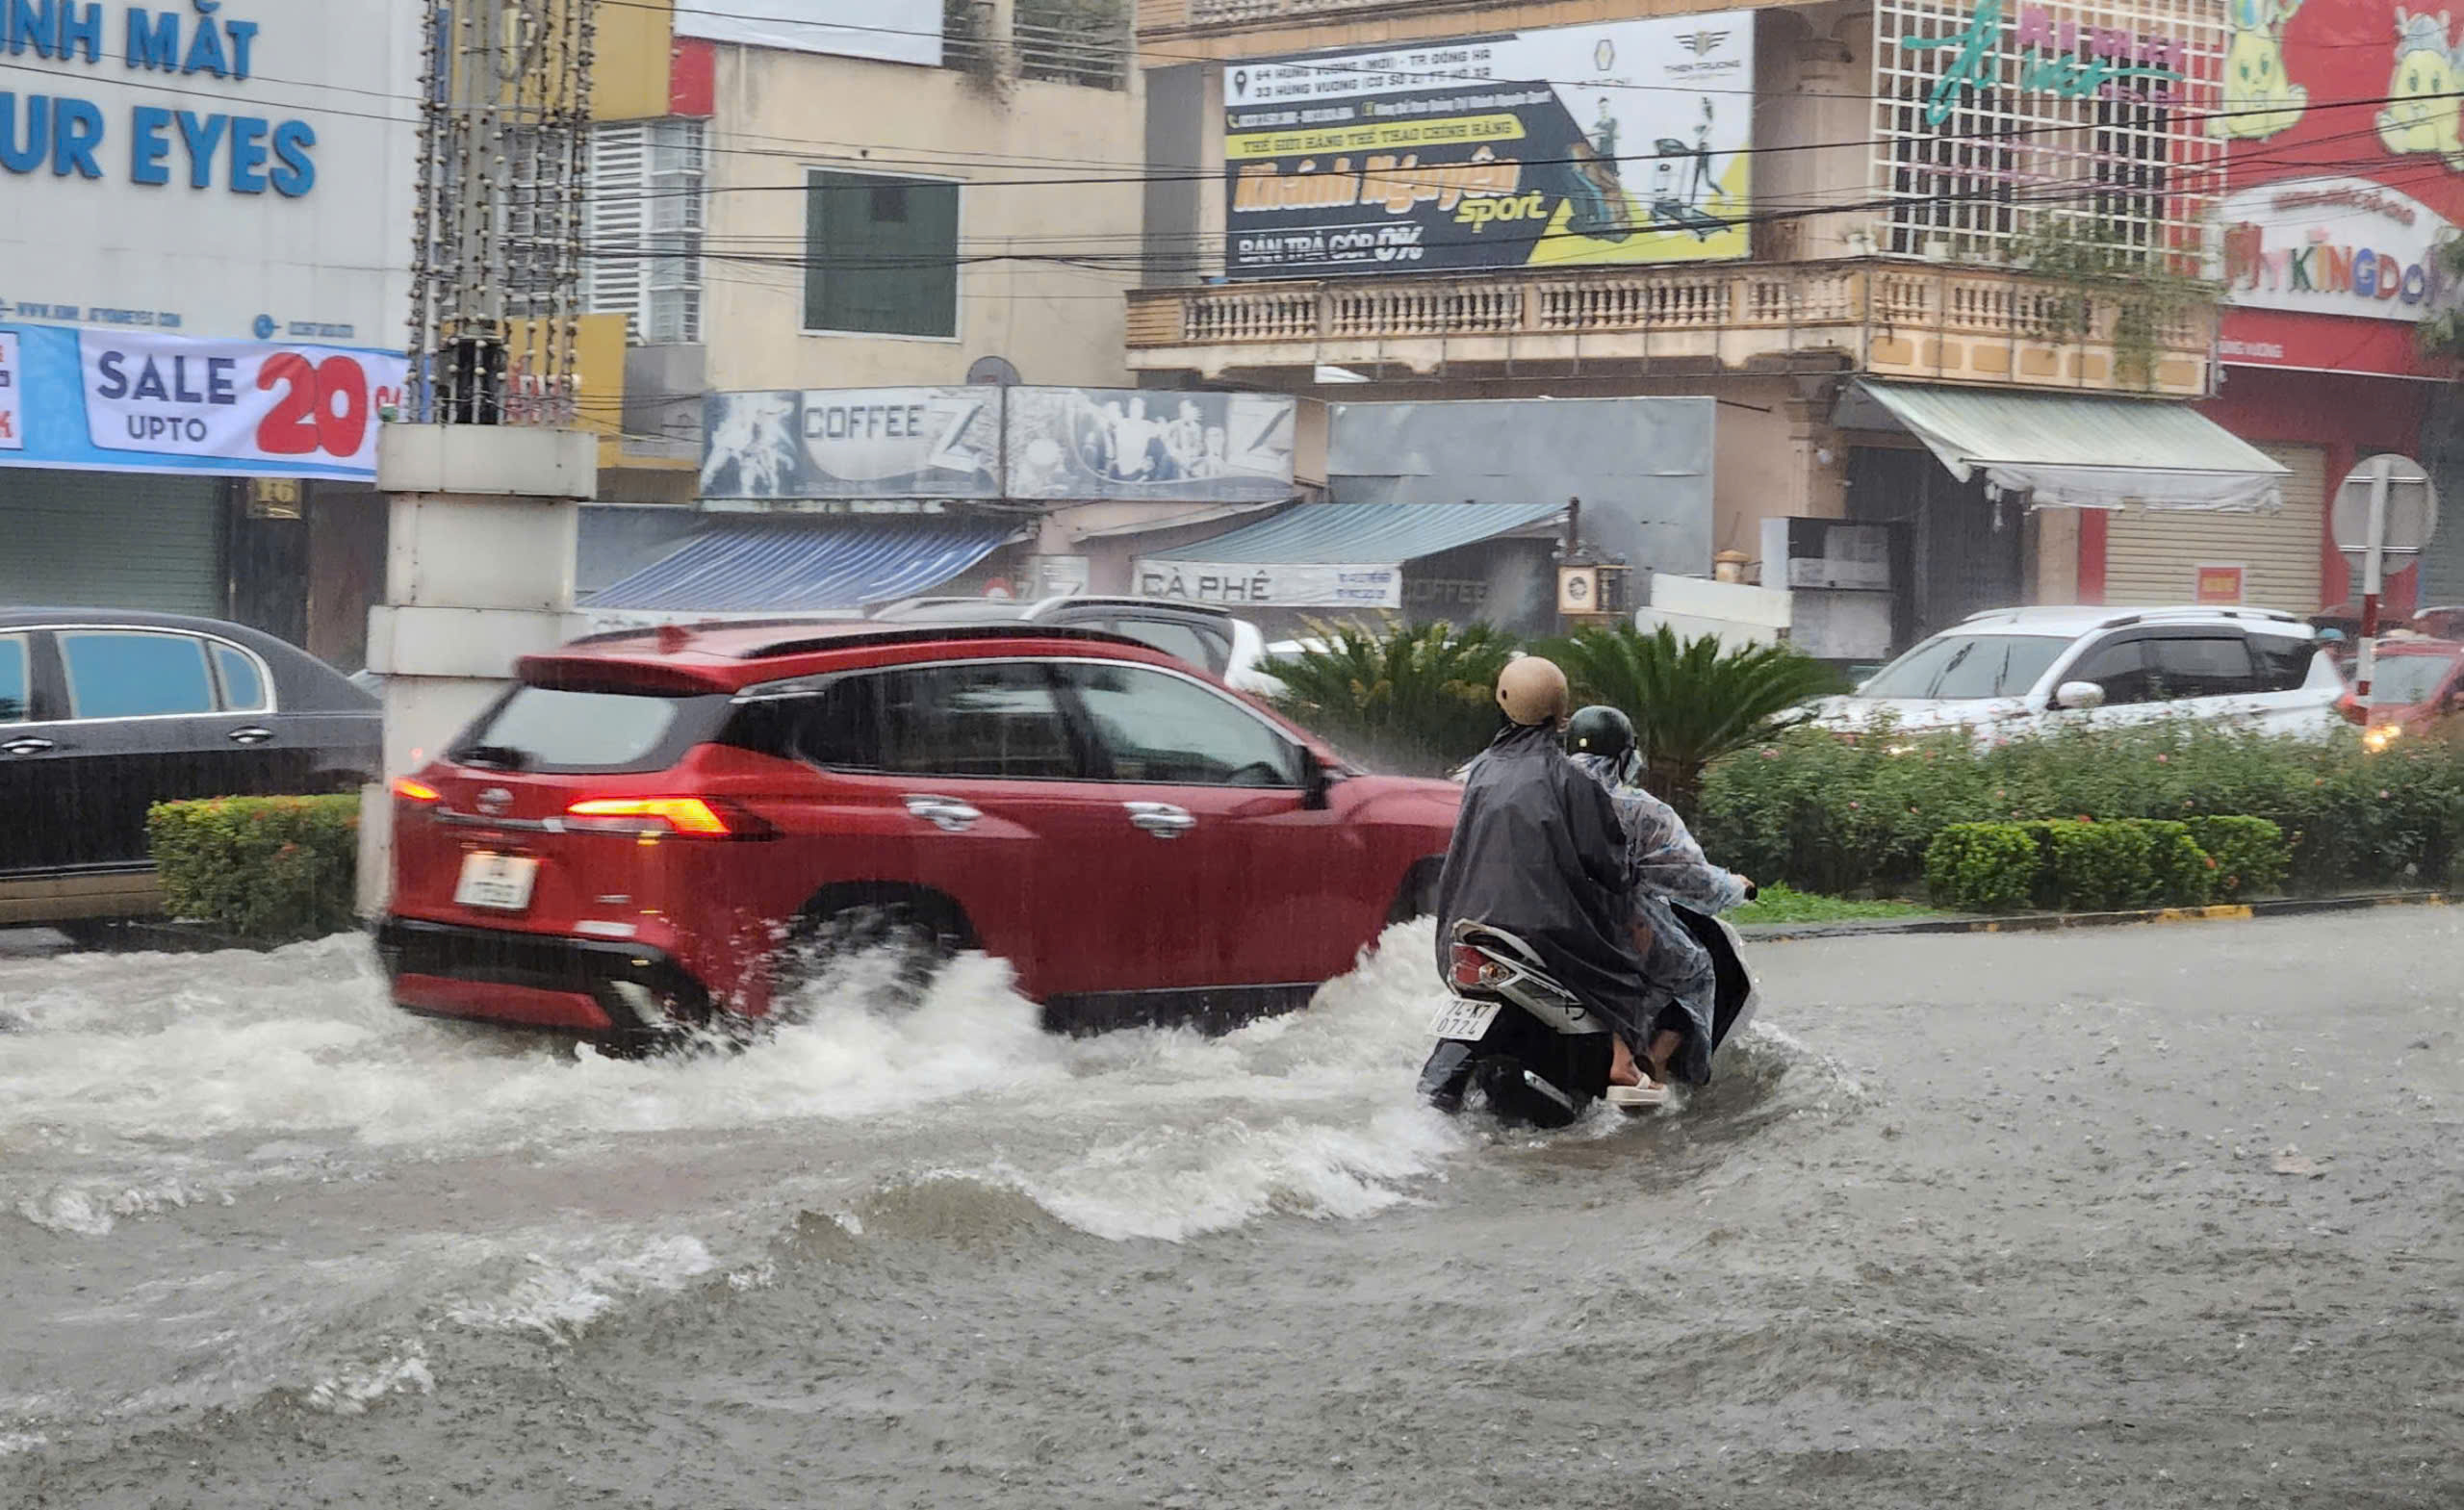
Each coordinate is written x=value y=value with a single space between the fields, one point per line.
x=1666 y=865
x=1539 y=852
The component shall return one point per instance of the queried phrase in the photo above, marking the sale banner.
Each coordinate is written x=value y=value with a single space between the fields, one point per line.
x=112 y=400
x=13 y=434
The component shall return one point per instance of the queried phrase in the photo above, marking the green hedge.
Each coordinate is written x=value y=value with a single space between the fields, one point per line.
x=1847 y=815
x=264 y=869
x=2080 y=865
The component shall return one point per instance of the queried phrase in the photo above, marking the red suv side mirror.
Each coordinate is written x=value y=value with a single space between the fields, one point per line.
x=1316 y=780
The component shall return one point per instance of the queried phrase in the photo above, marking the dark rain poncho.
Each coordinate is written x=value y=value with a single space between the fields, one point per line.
x=1538 y=852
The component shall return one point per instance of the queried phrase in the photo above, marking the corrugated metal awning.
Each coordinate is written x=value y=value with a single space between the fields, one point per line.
x=2068 y=450
x=1366 y=534
x=805 y=564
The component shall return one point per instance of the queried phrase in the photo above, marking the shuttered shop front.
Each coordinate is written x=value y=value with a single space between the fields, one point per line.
x=110 y=540
x=2154 y=557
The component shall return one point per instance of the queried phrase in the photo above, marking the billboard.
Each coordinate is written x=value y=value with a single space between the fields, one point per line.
x=2346 y=163
x=241 y=172
x=892 y=31
x=1127 y=445
x=104 y=401
x=1083 y=444
x=853 y=443
x=1613 y=144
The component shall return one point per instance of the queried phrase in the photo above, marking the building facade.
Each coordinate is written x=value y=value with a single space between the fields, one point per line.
x=1931 y=260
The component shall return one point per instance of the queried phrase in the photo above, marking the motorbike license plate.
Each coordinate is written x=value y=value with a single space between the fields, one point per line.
x=500 y=883
x=1464 y=1020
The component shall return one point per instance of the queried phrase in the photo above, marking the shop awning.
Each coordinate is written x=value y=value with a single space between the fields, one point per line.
x=1328 y=556
x=2068 y=450
x=805 y=564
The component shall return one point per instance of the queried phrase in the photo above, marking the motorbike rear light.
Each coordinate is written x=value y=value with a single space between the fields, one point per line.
x=690 y=817
x=411 y=791
x=1472 y=968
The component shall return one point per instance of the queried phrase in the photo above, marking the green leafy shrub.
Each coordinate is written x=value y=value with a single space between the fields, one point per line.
x=1983 y=867
x=1853 y=814
x=264 y=869
x=2102 y=867
x=2250 y=854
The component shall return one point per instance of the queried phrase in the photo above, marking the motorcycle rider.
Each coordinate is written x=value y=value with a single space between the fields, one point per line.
x=1539 y=852
x=1666 y=865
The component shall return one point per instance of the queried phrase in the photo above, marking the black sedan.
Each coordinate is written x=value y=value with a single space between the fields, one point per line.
x=104 y=712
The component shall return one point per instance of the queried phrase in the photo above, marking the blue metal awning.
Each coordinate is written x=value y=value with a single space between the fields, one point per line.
x=1366 y=534
x=805 y=564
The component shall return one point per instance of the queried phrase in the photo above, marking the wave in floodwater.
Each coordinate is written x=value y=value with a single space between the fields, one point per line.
x=433 y=1181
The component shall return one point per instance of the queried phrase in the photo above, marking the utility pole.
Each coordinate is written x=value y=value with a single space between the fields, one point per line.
x=485 y=467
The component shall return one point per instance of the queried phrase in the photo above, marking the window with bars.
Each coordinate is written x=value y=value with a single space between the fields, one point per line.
x=881 y=254
x=1995 y=118
x=647 y=208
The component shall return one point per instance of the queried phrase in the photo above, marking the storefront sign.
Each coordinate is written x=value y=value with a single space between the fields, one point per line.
x=1102 y=444
x=234 y=171
x=1580 y=145
x=2218 y=584
x=1280 y=585
x=2055 y=55
x=894 y=31
x=2335 y=246
x=128 y=401
x=13 y=434
x=853 y=443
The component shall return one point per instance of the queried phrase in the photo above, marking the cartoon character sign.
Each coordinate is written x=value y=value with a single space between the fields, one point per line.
x=2259 y=99
x=2426 y=117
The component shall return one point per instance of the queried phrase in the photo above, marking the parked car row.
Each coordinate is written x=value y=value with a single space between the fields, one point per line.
x=105 y=714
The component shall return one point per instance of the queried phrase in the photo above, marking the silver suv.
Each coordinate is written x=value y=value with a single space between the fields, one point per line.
x=2009 y=672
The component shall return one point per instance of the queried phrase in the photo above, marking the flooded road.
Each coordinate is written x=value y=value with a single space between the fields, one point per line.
x=2140 y=1217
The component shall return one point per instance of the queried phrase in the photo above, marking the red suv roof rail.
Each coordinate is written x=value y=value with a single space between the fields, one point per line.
x=910 y=633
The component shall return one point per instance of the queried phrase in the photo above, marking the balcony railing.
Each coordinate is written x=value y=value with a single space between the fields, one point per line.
x=1890 y=319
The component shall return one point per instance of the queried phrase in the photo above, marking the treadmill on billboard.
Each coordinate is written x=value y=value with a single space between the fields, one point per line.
x=1573 y=146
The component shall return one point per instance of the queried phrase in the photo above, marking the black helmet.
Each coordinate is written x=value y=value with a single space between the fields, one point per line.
x=1601 y=730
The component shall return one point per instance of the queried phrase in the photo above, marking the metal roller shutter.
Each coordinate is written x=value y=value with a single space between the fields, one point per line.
x=110 y=540
x=2153 y=556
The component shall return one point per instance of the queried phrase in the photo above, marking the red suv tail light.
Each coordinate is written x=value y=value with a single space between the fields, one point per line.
x=690 y=817
x=1472 y=968
x=411 y=791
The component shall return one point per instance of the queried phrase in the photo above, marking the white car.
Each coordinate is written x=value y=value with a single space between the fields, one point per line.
x=2011 y=672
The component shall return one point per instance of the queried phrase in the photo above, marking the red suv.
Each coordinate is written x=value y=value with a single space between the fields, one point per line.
x=653 y=828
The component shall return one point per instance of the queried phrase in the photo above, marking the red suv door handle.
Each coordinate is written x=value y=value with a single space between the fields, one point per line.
x=946 y=813
x=1161 y=819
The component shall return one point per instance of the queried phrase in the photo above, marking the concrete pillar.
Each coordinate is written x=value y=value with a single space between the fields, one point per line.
x=479 y=572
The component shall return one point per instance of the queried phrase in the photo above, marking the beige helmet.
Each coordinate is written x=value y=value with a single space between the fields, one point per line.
x=1532 y=691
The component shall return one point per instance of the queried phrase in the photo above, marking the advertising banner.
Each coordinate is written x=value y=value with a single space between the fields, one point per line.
x=1613 y=144
x=893 y=31
x=241 y=171
x=12 y=433
x=1107 y=444
x=1280 y=585
x=98 y=400
x=2332 y=234
x=853 y=443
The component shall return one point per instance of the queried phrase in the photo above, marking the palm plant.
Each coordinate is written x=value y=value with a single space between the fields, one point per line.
x=1416 y=697
x=1691 y=702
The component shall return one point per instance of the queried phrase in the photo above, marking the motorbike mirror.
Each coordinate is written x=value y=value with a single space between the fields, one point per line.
x=2079 y=694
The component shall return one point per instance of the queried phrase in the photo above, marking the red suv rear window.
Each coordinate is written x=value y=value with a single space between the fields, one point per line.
x=553 y=728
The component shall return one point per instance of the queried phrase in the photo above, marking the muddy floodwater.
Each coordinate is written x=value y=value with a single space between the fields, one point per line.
x=2149 y=1216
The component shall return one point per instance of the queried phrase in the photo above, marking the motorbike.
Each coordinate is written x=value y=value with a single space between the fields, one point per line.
x=1533 y=1050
